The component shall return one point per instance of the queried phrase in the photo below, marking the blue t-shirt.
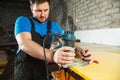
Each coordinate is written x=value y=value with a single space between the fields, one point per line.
x=23 y=24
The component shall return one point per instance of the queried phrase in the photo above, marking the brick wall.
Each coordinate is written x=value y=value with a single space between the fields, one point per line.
x=94 y=14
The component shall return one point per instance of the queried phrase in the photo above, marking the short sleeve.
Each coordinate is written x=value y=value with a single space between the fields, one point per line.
x=22 y=24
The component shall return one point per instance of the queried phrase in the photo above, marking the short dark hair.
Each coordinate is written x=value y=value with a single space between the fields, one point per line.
x=38 y=1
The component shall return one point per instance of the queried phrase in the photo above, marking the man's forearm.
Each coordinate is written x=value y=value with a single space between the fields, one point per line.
x=35 y=50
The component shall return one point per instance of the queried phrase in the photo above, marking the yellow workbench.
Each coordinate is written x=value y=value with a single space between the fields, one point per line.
x=108 y=67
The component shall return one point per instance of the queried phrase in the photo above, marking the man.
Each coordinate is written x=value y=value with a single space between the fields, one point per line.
x=30 y=34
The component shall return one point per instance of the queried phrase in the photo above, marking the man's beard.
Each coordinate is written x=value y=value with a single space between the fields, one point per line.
x=42 y=19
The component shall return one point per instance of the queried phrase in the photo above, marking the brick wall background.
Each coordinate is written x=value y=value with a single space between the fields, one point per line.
x=70 y=14
x=91 y=14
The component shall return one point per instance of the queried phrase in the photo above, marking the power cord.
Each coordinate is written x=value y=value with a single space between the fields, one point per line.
x=56 y=37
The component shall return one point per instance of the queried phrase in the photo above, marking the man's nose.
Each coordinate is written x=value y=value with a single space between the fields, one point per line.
x=42 y=13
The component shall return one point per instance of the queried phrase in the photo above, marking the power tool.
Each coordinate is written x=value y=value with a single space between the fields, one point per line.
x=68 y=38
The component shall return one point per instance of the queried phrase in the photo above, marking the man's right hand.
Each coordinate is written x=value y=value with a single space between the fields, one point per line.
x=64 y=55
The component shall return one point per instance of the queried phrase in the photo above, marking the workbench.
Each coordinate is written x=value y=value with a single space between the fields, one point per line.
x=108 y=67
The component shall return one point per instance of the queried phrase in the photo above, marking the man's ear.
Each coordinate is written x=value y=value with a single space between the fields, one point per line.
x=31 y=8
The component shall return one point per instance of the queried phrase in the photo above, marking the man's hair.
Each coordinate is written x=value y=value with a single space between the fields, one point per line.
x=38 y=1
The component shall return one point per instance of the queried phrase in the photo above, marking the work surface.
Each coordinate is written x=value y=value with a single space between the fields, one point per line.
x=108 y=67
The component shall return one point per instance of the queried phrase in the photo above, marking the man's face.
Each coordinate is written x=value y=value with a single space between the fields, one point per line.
x=40 y=11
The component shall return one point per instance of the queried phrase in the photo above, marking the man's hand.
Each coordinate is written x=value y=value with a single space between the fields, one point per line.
x=64 y=55
x=84 y=55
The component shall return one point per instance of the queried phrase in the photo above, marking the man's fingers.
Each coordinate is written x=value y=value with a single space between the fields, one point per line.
x=67 y=58
x=65 y=61
x=93 y=60
x=68 y=54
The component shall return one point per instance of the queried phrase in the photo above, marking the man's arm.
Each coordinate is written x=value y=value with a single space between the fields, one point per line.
x=35 y=50
x=30 y=47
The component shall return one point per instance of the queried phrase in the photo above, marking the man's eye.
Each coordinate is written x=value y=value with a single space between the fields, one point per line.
x=37 y=10
x=46 y=10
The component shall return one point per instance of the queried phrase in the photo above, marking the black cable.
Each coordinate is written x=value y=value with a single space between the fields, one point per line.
x=56 y=37
x=47 y=74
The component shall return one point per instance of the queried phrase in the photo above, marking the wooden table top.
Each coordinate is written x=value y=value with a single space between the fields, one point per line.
x=108 y=67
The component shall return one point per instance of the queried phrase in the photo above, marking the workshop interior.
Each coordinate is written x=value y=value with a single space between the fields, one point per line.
x=90 y=24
